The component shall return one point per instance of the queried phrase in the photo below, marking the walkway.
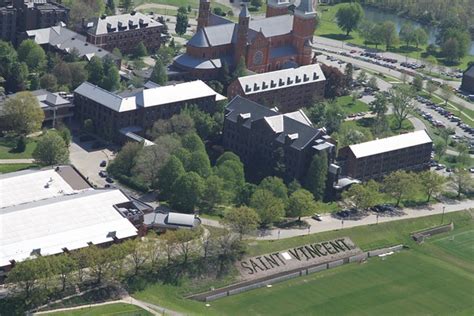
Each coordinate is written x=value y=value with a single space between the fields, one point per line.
x=329 y=223
x=15 y=161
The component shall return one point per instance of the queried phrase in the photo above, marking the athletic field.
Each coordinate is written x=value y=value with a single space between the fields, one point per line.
x=411 y=282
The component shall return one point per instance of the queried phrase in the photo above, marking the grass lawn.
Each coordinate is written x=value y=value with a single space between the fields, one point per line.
x=111 y=309
x=7 y=149
x=183 y=3
x=349 y=107
x=410 y=282
x=328 y=28
x=6 y=168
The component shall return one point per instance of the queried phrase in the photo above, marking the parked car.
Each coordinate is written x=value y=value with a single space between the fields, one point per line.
x=103 y=163
x=317 y=217
x=109 y=180
x=103 y=174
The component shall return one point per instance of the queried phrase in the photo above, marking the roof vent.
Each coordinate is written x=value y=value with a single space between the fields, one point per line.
x=244 y=116
x=73 y=38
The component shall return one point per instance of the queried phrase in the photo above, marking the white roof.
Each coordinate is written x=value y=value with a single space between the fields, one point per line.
x=31 y=185
x=181 y=219
x=62 y=222
x=148 y=97
x=299 y=116
x=291 y=77
x=176 y=93
x=390 y=144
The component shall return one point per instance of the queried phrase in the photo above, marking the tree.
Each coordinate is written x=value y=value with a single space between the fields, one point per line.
x=193 y=142
x=240 y=69
x=95 y=68
x=125 y=160
x=26 y=274
x=17 y=81
x=32 y=54
x=166 y=54
x=187 y=192
x=400 y=184
x=152 y=158
x=181 y=23
x=172 y=170
x=179 y=124
x=462 y=181
x=349 y=16
x=159 y=74
x=446 y=93
x=363 y=196
x=300 y=202
x=126 y=5
x=372 y=83
x=407 y=33
x=431 y=87
x=51 y=150
x=227 y=156
x=184 y=237
x=333 y=117
x=241 y=220
x=214 y=193
x=200 y=163
x=21 y=144
x=349 y=73
x=48 y=82
x=269 y=208
x=431 y=62
x=349 y=135
x=420 y=37
x=137 y=256
x=276 y=186
x=256 y=3
x=65 y=134
x=440 y=147
x=63 y=74
x=432 y=183
x=207 y=126
x=362 y=76
x=389 y=34
x=232 y=172
x=335 y=82
x=88 y=126
x=401 y=98
x=79 y=74
x=140 y=50
x=23 y=112
x=63 y=265
x=317 y=175
x=111 y=80
x=418 y=83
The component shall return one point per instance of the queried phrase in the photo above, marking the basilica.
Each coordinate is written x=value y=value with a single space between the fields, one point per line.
x=282 y=39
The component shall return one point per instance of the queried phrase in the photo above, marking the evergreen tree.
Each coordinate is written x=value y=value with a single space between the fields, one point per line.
x=140 y=50
x=317 y=175
x=159 y=74
x=181 y=23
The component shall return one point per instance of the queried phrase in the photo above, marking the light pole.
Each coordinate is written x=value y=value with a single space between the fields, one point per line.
x=377 y=219
x=442 y=215
x=342 y=224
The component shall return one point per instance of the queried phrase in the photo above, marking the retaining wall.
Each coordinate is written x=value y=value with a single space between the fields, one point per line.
x=237 y=288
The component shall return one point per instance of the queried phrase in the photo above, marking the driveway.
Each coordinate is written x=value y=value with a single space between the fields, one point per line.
x=87 y=160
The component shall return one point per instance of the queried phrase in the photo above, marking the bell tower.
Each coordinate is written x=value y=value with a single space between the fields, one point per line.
x=203 y=14
x=304 y=25
x=242 y=34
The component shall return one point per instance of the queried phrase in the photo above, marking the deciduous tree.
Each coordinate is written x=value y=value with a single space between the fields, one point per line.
x=241 y=220
x=51 y=150
x=300 y=202
x=349 y=16
x=400 y=184
x=268 y=206
x=32 y=54
x=172 y=170
x=24 y=113
x=401 y=98
x=462 y=182
x=432 y=183
x=363 y=196
x=187 y=192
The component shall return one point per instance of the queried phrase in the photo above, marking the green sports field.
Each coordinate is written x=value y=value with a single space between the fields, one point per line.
x=435 y=278
x=118 y=309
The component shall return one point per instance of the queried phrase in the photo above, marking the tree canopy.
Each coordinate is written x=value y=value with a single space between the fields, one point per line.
x=24 y=113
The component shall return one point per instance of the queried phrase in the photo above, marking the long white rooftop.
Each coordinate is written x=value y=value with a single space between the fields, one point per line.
x=148 y=97
x=388 y=144
x=280 y=79
x=71 y=222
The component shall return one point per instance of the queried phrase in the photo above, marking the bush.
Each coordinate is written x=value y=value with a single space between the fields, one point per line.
x=132 y=183
x=20 y=144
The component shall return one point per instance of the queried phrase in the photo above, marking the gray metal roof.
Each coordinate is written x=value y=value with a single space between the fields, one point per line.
x=127 y=21
x=199 y=39
x=282 y=125
x=66 y=40
x=106 y=98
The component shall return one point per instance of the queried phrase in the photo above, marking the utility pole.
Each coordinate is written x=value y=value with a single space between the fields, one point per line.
x=442 y=215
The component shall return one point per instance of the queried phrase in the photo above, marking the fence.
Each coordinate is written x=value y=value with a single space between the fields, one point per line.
x=420 y=236
x=255 y=284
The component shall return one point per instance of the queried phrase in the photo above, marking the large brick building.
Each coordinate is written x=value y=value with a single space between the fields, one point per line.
x=113 y=115
x=287 y=89
x=378 y=158
x=19 y=16
x=262 y=137
x=279 y=40
x=468 y=80
x=124 y=31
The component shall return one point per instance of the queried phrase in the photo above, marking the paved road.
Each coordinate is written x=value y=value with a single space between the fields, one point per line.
x=329 y=223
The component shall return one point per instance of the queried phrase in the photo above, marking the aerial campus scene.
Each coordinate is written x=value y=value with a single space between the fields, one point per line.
x=236 y=157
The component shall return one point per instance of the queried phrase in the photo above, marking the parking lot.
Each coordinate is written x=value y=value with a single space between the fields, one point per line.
x=87 y=160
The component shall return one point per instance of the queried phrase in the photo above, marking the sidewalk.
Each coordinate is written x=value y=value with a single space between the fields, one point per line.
x=329 y=223
x=14 y=161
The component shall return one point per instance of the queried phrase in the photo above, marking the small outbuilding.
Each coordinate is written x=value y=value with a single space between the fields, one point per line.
x=163 y=221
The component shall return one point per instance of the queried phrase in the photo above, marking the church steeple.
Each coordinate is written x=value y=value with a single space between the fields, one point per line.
x=203 y=14
x=242 y=33
x=277 y=7
x=304 y=25
x=305 y=9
